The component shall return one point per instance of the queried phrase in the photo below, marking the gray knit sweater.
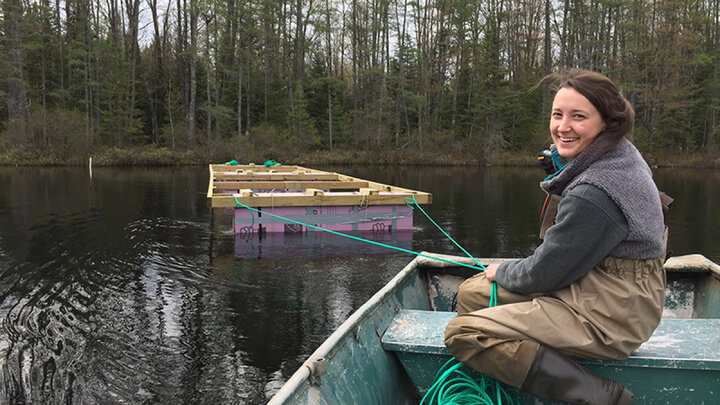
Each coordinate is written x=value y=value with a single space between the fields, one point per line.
x=610 y=207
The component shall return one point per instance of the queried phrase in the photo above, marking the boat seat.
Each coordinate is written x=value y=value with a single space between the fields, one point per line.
x=688 y=348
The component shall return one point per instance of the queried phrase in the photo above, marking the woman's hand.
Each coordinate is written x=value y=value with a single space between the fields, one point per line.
x=490 y=271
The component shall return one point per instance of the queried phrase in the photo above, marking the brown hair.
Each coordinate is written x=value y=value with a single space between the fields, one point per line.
x=615 y=110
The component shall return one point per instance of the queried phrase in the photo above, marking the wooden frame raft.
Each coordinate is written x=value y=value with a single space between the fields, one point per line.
x=258 y=186
x=295 y=199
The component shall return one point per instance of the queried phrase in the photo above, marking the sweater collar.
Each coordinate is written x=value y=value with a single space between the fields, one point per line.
x=600 y=146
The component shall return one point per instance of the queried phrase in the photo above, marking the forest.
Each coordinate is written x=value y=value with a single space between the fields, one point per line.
x=282 y=78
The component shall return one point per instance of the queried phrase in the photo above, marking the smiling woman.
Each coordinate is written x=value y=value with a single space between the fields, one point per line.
x=593 y=105
x=605 y=246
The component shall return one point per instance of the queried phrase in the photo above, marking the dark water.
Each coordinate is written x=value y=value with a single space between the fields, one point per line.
x=125 y=288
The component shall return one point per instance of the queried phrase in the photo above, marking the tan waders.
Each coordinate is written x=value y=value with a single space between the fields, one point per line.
x=524 y=340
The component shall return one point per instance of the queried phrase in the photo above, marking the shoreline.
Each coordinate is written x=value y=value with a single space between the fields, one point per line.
x=154 y=156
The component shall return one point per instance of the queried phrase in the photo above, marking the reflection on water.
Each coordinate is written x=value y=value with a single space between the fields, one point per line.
x=125 y=288
x=278 y=245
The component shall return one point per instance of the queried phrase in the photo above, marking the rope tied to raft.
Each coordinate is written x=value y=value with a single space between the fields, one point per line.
x=344 y=235
x=415 y=204
x=452 y=384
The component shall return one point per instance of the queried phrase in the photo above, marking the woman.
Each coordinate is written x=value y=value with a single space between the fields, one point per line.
x=595 y=287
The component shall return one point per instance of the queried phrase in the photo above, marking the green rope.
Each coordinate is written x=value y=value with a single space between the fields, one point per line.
x=415 y=203
x=493 y=295
x=270 y=163
x=358 y=238
x=452 y=386
x=463 y=389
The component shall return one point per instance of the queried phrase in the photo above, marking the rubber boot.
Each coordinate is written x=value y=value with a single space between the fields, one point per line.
x=556 y=377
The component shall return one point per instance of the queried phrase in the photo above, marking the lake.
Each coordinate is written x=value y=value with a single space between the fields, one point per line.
x=123 y=287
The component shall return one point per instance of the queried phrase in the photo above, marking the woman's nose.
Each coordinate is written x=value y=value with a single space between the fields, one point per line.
x=563 y=125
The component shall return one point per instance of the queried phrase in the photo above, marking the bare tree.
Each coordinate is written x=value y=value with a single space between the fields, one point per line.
x=17 y=100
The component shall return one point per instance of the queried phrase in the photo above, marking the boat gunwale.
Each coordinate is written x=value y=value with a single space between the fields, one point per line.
x=691 y=263
x=337 y=339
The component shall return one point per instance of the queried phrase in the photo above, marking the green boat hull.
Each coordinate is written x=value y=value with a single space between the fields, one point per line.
x=389 y=350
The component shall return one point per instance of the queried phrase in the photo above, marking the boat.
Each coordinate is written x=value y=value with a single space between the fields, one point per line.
x=390 y=349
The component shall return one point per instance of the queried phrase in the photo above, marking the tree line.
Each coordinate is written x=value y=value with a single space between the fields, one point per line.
x=346 y=74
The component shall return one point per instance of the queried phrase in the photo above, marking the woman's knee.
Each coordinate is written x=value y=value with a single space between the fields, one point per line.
x=459 y=336
x=451 y=330
x=465 y=328
x=472 y=296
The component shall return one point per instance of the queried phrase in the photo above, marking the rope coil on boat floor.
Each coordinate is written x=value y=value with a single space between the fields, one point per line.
x=453 y=386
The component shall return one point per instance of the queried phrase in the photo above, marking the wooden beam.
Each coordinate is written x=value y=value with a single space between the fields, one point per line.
x=327 y=199
x=289 y=185
x=376 y=185
x=369 y=191
x=210 y=187
x=276 y=176
x=257 y=168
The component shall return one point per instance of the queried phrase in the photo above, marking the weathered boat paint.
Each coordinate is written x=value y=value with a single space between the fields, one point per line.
x=366 y=361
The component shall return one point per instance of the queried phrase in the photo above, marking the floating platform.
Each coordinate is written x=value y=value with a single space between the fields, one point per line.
x=308 y=196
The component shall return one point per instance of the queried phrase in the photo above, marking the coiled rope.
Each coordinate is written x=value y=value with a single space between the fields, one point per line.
x=454 y=386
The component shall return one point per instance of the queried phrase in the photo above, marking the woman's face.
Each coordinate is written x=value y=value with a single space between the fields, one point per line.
x=574 y=122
